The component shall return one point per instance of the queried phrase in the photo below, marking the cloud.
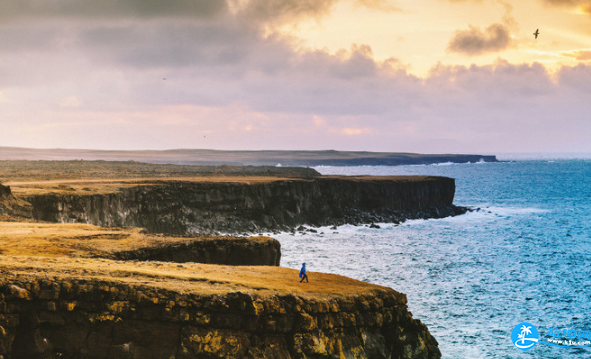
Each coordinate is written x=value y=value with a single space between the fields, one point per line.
x=564 y=2
x=12 y=10
x=583 y=55
x=175 y=45
x=491 y=108
x=102 y=81
x=582 y=5
x=382 y=5
x=508 y=19
x=280 y=11
x=580 y=55
x=576 y=79
x=474 y=41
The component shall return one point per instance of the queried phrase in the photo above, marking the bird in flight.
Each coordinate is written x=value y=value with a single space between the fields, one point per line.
x=537 y=33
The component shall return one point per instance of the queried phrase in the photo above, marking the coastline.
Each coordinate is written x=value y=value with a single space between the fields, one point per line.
x=39 y=284
x=205 y=157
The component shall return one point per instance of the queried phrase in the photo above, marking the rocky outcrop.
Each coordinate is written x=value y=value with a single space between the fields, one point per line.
x=223 y=250
x=179 y=207
x=10 y=206
x=65 y=317
x=4 y=191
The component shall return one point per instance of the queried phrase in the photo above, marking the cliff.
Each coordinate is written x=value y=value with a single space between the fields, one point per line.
x=247 y=205
x=116 y=310
x=80 y=291
x=62 y=296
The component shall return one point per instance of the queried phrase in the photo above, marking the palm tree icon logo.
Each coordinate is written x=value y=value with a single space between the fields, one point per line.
x=525 y=336
x=524 y=331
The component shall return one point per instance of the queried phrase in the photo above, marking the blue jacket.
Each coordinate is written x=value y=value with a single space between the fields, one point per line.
x=303 y=270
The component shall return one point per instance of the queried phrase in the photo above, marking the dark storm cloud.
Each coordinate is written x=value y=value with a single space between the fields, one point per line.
x=474 y=41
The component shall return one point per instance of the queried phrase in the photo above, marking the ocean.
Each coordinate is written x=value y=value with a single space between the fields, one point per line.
x=522 y=257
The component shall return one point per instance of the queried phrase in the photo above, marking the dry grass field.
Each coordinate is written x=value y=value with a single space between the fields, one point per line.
x=96 y=186
x=20 y=171
x=92 y=177
x=83 y=251
x=70 y=251
x=85 y=240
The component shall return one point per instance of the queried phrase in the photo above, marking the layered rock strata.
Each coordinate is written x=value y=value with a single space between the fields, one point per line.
x=185 y=206
x=224 y=250
x=77 y=315
x=78 y=291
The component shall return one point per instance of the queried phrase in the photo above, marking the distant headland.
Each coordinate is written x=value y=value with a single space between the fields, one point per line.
x=245 y=158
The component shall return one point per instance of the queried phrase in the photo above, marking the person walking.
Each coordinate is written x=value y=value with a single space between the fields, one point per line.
x=303 y=274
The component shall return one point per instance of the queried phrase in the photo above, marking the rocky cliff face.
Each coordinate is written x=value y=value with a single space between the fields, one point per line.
x=4 y=191
x=49 y=317
x=179 y=207
x=59 y=303
x=10 y=206
x=225 y=250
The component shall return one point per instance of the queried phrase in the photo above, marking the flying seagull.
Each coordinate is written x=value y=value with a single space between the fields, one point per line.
x=537 y=33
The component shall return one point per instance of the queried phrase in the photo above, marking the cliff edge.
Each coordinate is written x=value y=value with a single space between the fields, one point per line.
x=73 y=290
x=62 y=297
x=238 y=204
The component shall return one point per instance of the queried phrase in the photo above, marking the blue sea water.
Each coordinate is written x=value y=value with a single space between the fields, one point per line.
x=525 y=256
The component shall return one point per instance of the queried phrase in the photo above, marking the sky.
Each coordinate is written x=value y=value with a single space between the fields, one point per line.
x=427 y=76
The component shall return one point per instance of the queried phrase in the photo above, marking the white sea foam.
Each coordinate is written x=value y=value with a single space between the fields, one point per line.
x=473 y=277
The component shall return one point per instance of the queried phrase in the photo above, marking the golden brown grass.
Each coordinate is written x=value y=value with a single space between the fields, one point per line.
x=70 y=250
x=82 y=251
x=85 y=240
x=189 y=277
x=97 y=177
x=101 y=186
x=74 y=170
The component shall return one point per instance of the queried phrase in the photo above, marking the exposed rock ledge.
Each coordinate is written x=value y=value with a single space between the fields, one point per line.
x=240 y=204
x=57 y=302
x=66 y=293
